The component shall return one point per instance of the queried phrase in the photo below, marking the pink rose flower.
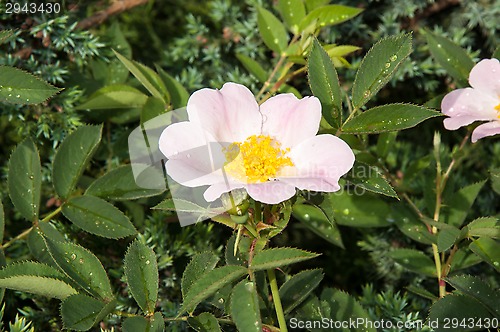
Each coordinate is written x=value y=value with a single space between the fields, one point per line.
x=230 y=143
x=479 y=103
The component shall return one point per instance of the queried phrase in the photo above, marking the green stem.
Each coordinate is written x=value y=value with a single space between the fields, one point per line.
x=19 y=237
x=276 y=299
x=52 y=214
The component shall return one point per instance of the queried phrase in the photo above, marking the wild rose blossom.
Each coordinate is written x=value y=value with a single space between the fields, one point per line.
x=230 y=143
x=481 y=102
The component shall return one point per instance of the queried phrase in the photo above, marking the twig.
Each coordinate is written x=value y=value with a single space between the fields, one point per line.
x=116 y=7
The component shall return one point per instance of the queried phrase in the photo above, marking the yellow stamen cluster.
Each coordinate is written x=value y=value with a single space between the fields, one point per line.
x=257 y=159
x=497 y=108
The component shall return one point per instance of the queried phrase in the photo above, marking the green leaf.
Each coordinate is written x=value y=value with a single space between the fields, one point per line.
x=241 y=257
x=479 y=290
x=487 y=227
x=20 y=87
x=420 y=291
x=204 y=322
x=244 y=307
x=488 y=249
x=272 y=31
x=450 y=56
x=143 y=324
x=3 y=263
x=279 y=257
x=390 y=117
x=28 y=268
x=414 y=260
x=81 y=266
x=96 y=216
x=148 y=78
x=328 y=15
x=324 y=84
x=36 y=278
x=460 y=203
x=209 y=283
x=2 y=222
x=411 y=225
x=343 y=307
x=359 y=210
x=495 y=179
x=141 y=270
x=199 y=265
x=119 y=185
x=496 y=53
x=73 y=156
x=49 y=287
x=253 y=67
x=183 y=206
x=80 y=312
x=463 y=259
x=447 y=238
x=37 y=244
x=378 y=66
x=178 y=94
x=114 y=97
x=457 y=308
x=385 y=143
x=292 y=11
x=152 y=108
x=370 y=178
x=295 y=290
x=25 y=179
x=316 y=220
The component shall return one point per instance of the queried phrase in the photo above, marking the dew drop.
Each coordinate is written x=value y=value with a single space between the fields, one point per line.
x=9 y=89
x=346 y=211
x=73 y=256
x=366 y=94
x=394 y=57
x=18 y=96
x=147 y=262
x=387 y=64
x=496 y=263
x=188 y=156
x=80 y=260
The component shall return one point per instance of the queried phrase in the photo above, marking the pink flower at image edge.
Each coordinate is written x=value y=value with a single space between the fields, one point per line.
x=480 y=102
x=268 y=150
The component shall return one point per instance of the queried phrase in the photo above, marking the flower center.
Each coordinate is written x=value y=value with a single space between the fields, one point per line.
x=497 y=108
x=257 y=159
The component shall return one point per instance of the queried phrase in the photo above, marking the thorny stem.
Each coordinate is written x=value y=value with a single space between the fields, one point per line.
x=441 y=180
x=27 y=231
x=282 y=58
x=276 y=299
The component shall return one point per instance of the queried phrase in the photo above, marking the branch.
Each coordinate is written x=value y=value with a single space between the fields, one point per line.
x=435 y=8
x=116 y=7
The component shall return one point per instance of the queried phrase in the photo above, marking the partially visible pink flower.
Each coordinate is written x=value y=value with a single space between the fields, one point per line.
x=479 y=103
x=230 y=143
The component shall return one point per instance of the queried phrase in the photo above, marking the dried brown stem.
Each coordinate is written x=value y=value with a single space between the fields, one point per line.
x=117 y=7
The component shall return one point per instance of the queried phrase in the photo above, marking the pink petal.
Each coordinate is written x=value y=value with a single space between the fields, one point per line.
x=486 y=129
x=272 y=192
x=485 y=76
x=216 y=190
x=325 y=157
x=194 y=158
x=313 y=184
x=465 y=106
x=291 y=120
x=230 y=114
